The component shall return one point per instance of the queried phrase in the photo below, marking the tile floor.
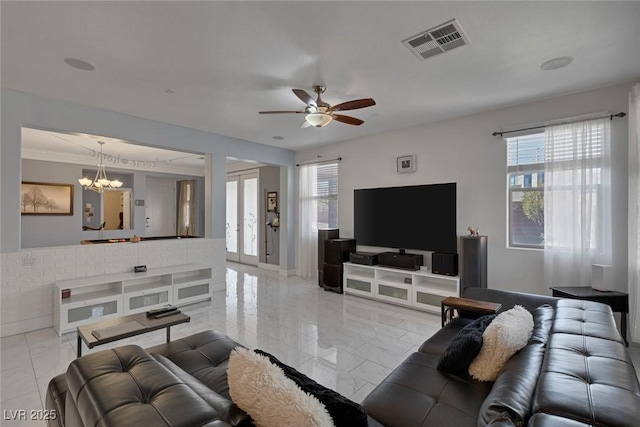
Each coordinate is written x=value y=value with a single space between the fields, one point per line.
x=346 y=343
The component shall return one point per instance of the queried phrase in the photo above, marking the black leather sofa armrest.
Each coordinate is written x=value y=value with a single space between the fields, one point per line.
x=226 y=409
x=204 y=355
x=126 y=386
x=55 y=400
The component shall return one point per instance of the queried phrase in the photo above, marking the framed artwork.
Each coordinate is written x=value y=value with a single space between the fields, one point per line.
x=272 y=201
x=406 y=164
x=40 y=198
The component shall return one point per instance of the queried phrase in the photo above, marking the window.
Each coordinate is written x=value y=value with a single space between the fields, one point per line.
x=325 y=193
x=525 y=177
x=566 y=164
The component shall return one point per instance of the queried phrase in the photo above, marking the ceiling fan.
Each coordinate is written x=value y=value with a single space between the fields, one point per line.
x=319 y=114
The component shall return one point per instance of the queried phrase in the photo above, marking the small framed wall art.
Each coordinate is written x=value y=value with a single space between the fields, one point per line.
x=406 y=164
x=272 y=201
x=39 y=198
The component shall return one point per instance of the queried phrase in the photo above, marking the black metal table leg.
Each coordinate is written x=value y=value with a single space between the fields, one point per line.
x=79 y=352
x=623 y=326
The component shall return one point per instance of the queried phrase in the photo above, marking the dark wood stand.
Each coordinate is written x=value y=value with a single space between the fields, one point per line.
x=449 y=304
x=85 y=333
x=618 y=301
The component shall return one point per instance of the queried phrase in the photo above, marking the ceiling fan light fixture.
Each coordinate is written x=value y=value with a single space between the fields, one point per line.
x=318 y=119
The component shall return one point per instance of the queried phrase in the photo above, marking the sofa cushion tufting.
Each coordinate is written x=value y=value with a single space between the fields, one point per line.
x=587 y=374
x=127 y=386
x=204 y=355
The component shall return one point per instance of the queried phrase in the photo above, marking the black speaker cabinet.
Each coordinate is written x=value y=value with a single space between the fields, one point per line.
x=323 y=235
x=474 y=261
x=336 y=251
x=398 y=260
x=443 y=263
x=332 y=276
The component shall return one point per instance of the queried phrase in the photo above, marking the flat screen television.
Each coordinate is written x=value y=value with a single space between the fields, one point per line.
x=421 y=217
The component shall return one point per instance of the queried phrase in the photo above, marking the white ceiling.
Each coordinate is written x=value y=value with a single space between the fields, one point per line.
x=83 y=149
x=225 y=61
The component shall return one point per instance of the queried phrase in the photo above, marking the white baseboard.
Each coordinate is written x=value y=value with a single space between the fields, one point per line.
x=28 y=325
x=271 y=267
x=288 y=273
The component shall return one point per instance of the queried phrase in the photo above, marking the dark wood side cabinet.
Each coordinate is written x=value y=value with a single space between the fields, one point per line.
x=473 y=263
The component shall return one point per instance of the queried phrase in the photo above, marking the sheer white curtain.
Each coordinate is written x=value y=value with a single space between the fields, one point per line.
x=308 y=214
x=634 y=211
x=577 y=201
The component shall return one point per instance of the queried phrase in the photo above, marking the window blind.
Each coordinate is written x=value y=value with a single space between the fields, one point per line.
x=531 y=149
x=525 y=150
x=326 y=184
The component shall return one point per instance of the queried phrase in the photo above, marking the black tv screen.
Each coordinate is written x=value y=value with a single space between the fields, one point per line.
x=419 y=217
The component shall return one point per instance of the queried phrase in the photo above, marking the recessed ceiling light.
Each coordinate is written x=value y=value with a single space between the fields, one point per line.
x=555 y=63
x=79 y=64
x=278 y=138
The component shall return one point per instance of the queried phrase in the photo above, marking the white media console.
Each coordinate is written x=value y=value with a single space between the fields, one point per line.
x=417 y=289
x=115 y=295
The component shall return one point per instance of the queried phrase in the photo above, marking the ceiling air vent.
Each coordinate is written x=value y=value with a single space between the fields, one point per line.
x=437 y=40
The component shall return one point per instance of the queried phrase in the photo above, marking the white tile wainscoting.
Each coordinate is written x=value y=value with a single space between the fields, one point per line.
x=27 y=277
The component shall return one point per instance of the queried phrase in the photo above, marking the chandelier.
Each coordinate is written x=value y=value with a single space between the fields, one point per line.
x=100 y=183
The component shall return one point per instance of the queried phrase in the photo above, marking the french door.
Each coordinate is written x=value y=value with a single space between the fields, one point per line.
x=242 y=218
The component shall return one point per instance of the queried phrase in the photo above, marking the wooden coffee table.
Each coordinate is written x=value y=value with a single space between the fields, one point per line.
x=449 y=304
x=111 y=330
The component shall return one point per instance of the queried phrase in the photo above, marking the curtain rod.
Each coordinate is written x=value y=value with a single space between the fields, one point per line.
x=315 y=162
x=611 y=116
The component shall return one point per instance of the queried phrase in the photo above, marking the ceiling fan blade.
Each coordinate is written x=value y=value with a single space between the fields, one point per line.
x=304 y=97
x=354 y=105
x=305 y=124
x=281 y=112
x=347 y=119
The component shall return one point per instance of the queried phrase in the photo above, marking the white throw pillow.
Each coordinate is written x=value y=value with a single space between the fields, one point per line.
x=505 y=336
x=263 y=391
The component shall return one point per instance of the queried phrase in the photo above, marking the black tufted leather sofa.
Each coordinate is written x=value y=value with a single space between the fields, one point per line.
x=180 y=383
x=574 y=372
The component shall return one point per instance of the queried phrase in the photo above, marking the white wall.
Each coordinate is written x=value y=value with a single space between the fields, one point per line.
x=464 y=151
